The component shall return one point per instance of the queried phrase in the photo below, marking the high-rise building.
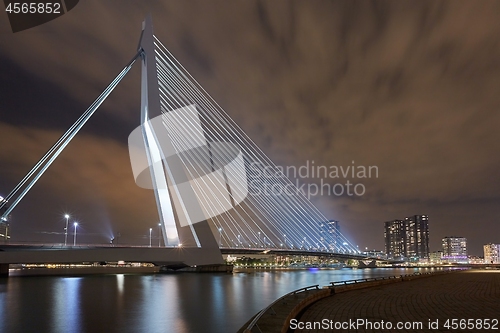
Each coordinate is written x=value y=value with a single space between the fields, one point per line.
x=417 y=236
x=455 y=249
x=491 y=253
x=408 y=238
x=394 y=235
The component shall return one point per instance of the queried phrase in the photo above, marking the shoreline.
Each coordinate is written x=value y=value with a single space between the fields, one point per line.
x=78 y=271
x=103 y=270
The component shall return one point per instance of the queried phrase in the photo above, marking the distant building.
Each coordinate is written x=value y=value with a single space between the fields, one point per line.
x=435 y=257
x=375 y=254
x=408 y=238
x=330 y=231
x=455 y=249
x=492 y=253
x=476 y=260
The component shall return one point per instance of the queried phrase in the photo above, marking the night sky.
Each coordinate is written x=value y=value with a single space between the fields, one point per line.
x=410 y=87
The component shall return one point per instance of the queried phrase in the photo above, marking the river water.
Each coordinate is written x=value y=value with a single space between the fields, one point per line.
x=177 y=303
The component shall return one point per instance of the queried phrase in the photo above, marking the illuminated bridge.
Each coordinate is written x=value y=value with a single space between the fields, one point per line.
x=215 y=190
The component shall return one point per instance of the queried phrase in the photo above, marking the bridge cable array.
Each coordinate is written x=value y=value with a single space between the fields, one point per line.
x=275 y=213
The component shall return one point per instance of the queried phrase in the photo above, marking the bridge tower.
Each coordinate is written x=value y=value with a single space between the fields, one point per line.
x=165 y=166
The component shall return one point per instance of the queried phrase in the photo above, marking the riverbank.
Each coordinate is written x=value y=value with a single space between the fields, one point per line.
x=85 y=270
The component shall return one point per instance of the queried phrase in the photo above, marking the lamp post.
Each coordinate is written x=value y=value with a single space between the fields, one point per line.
x=150 y=233
x=66 y=230
x=159 y=234
x=260 y=244
x=220 y=236
x=74 y=233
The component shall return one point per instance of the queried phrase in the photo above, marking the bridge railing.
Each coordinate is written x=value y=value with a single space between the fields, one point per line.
x=253 y=324
x=350 y=282
x=347 y=282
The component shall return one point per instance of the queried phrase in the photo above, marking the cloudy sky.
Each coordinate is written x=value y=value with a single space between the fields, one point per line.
x=409 y=87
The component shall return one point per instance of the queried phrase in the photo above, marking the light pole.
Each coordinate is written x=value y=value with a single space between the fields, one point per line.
x=66 y=230
x=220 y=236
x=259 y=240
x=74 y=233
x=150 y=233
x=159 y=234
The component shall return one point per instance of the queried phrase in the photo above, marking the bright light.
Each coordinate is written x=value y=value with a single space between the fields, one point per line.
x=180 y=245
x=74 y=233
x=66 y=216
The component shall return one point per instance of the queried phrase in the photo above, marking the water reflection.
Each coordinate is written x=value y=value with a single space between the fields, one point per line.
x=65 y=309
x=181 y=303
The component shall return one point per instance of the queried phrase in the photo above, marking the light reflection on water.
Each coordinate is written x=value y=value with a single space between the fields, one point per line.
x=184 y=302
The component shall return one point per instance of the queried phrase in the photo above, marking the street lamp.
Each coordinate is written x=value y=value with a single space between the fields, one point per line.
x=150 y=233
x=66 y=230
x=74 y=233
x=220 y=236
x=259 y=240
x=159 y=234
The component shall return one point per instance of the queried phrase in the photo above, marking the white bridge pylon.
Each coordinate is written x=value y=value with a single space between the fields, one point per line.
x=217 y=189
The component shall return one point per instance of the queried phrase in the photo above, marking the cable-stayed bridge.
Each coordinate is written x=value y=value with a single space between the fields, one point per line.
x=214 y=187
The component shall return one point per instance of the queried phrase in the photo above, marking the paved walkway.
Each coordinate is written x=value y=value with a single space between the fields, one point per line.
x=464 y=295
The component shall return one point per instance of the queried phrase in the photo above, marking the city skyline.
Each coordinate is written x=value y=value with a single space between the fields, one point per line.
x=333 y=83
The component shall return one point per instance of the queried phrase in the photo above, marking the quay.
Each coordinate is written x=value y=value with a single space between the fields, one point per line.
x=434 y=300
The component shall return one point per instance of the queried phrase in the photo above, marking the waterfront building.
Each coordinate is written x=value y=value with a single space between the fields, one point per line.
x=417 y=236
x=408 y=238
x=454 y=250
x=394 y=235
x=435 y=257
x=491 y=253
x=476 y=260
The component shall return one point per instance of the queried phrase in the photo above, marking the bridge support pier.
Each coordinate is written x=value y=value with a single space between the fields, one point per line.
x=4 y=270
x=364 y=264
x=215 y=268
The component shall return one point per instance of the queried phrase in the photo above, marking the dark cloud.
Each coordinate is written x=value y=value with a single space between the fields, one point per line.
x=410 y=87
